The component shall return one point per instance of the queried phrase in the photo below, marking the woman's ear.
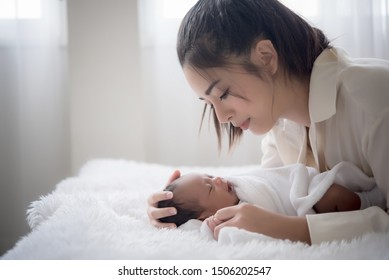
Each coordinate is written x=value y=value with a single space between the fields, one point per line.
x=265 y=56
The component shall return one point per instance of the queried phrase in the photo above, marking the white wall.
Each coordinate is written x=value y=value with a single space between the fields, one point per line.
x=130 y=100
x=105 y=88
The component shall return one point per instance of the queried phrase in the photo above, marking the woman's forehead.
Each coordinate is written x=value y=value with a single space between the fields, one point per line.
x=203 y=82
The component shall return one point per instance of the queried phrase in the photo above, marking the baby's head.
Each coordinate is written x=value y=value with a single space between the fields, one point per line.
x=198 y=196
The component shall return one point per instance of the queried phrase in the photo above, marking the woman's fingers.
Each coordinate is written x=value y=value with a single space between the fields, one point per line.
x=163 y=195
x=217 y=229
x=212 y=222
x=228 y=223
x=226 y=213
x=175 y=175
x=243 y=215
x=159 y=196
x=154 y=213
x=222 y=218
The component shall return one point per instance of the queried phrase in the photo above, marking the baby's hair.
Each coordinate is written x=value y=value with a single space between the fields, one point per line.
x=186 y=210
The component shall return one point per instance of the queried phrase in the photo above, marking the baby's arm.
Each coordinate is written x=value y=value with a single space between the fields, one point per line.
x=337 y=199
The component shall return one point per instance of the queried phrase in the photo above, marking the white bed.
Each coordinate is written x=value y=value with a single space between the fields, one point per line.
x=101 y=214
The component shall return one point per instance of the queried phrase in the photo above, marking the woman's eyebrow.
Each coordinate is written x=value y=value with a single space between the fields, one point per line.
x=209 y=89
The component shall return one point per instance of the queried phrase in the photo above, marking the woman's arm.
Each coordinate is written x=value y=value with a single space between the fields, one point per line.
x=346 y=225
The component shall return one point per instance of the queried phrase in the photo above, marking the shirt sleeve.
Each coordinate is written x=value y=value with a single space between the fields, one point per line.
x=346 y=225
x=377 y=153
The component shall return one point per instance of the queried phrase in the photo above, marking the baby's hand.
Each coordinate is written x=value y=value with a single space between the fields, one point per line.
x=212 y=222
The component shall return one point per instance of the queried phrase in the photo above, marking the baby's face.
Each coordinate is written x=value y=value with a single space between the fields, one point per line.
x=212 y=193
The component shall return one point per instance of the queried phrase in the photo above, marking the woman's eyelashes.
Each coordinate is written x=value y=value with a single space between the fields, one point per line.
x=225 y=94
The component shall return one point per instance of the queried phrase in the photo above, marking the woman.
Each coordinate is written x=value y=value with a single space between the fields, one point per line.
x=260 y=67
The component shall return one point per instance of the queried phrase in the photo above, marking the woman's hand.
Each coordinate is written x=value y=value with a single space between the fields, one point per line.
x=156 y=213
x=256 y=219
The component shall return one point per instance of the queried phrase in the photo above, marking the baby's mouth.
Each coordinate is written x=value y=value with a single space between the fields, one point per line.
x=231 y=188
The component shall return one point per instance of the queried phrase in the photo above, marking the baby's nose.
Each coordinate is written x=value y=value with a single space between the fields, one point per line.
x=221 y=183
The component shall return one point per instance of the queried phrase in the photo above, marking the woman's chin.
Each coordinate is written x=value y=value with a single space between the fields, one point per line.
x=257 y=131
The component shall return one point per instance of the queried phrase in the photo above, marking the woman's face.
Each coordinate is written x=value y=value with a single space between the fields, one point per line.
x=239 y=98
x=211 y=193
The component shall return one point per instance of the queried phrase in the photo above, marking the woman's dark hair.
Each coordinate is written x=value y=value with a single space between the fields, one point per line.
x=186 y=210
x=214 y=31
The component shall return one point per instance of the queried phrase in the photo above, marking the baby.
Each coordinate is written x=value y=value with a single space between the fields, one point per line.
x=292 y=190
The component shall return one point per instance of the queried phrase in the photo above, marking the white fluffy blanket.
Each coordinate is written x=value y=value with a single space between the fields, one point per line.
x=101 y=214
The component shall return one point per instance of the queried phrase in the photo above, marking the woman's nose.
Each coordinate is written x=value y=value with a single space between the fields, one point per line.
x=223 y=115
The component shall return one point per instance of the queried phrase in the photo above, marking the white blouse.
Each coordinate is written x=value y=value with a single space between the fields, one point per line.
x=349 y=111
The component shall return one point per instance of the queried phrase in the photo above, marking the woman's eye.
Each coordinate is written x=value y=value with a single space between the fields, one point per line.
x=225 y=94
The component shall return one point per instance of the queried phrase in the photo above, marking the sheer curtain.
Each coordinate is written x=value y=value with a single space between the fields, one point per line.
x=173 y=120
x=34 y=150
x=361 y=27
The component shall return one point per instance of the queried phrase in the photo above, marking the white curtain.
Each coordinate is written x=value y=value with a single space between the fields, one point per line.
x=359 y=26
x=34 y=150
x=175 y=112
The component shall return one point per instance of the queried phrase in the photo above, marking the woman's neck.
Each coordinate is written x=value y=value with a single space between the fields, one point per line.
x=293 y=96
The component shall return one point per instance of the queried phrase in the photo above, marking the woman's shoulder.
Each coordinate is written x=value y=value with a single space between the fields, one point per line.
x=362 y=72
x=373 y=71
x=365 y=81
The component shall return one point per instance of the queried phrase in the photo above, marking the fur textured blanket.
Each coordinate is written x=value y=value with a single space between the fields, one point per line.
x=101 y=214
